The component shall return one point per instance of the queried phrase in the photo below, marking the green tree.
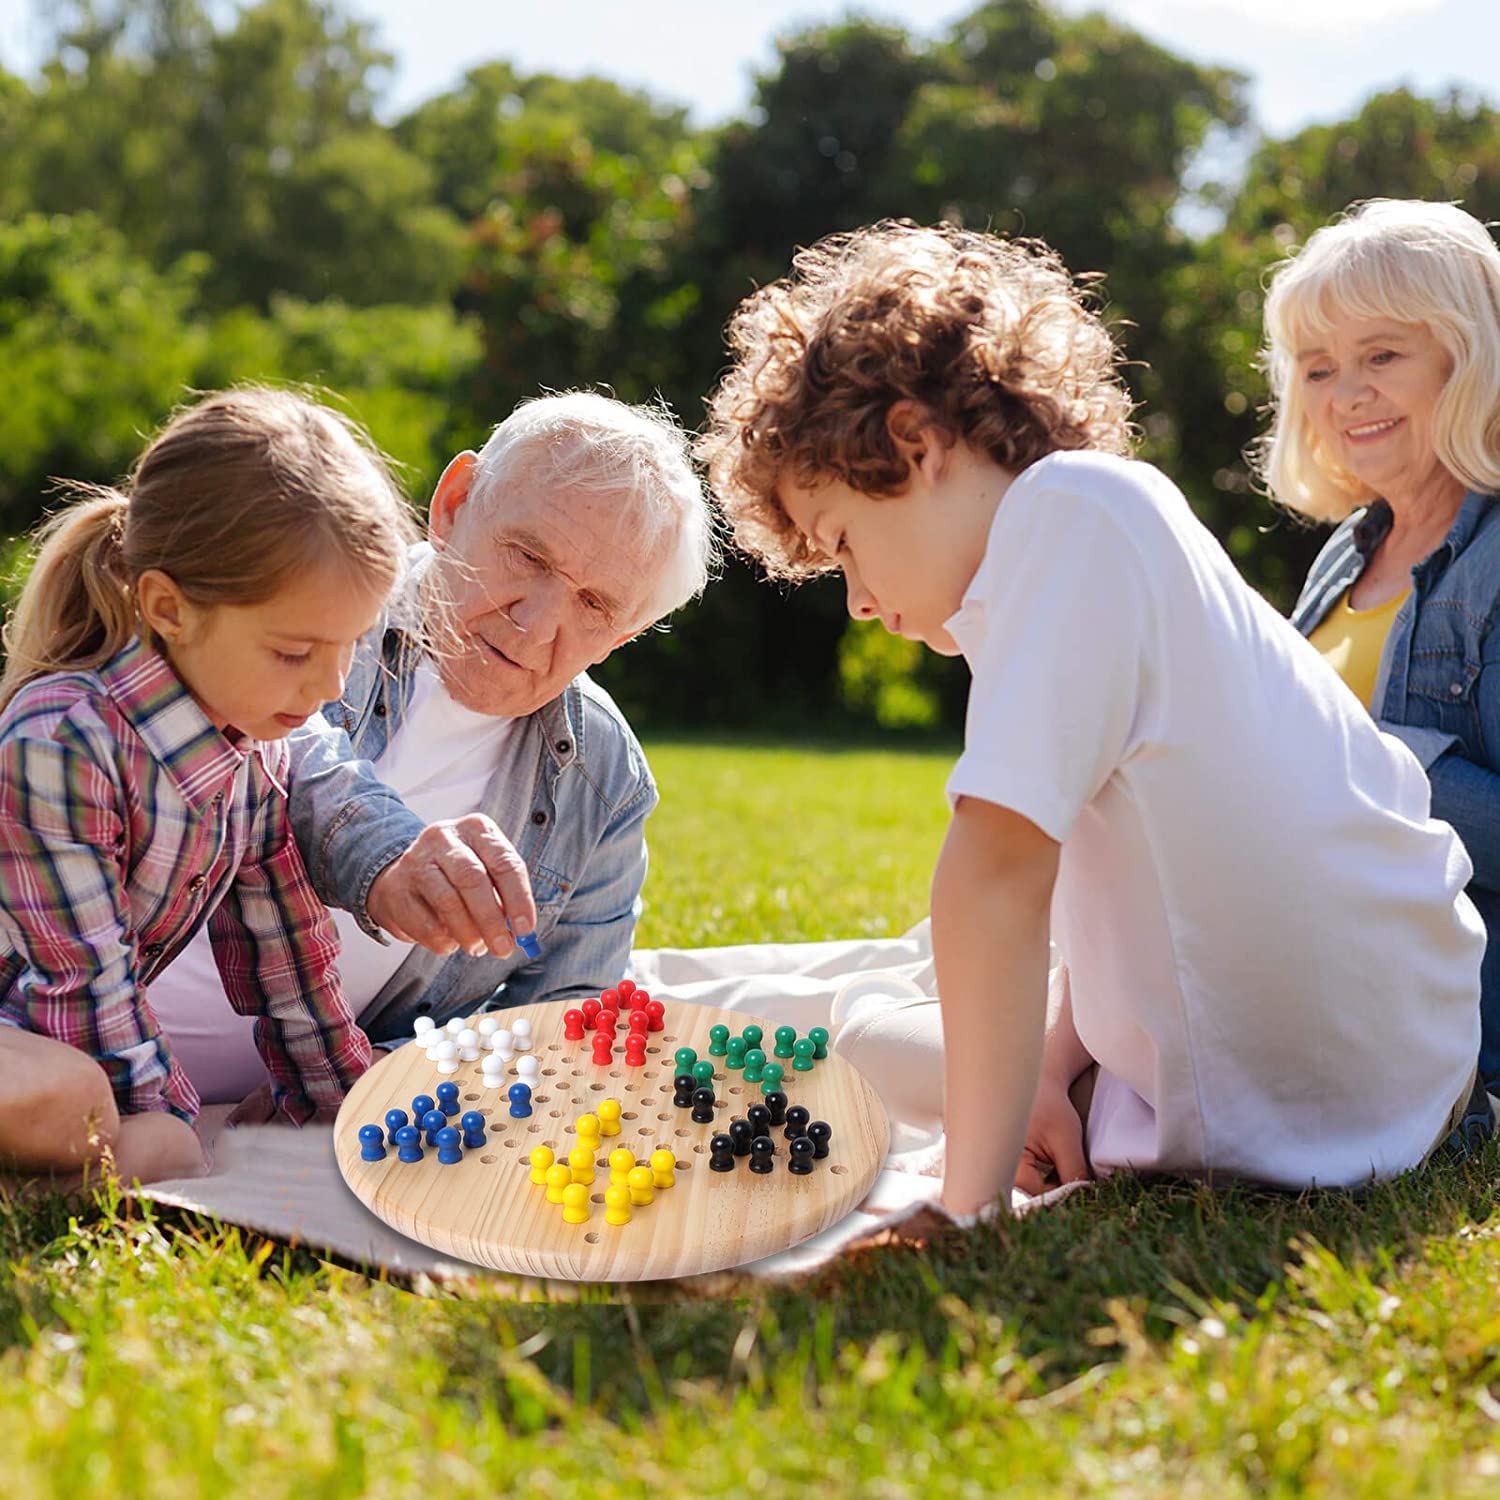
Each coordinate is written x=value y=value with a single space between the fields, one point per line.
x=256 y=145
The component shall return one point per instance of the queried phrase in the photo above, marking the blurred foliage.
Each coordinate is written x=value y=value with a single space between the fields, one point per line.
x=195 y=194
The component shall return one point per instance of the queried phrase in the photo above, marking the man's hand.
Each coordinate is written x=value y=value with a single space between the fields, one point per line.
x=1054 y=1141
x=454 y=888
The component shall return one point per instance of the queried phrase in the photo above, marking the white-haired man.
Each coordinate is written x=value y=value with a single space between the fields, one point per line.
x=578 y=525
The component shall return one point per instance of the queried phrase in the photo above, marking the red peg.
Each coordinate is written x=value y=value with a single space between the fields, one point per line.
x=573 y=1026
x=635 y=1057
x=590 y=1009
x=606 y=1021
x=604 y=1048
x=640 y=1020
x=626 y=988
x=610 y=999
x=656 y=1010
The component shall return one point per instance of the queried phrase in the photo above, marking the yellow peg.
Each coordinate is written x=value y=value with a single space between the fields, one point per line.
x=621 y=1164
x=586 y=1127
x=640 y=1184
x=581 y=1164
x=617 y=1205
x=662 y=1164
x=609 y=1117
x=541 y=1159
x=558 y=1178
x=575 y=1204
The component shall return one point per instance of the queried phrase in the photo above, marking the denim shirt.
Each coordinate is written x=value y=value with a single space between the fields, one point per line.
x=1438 y=690
x=572 y=793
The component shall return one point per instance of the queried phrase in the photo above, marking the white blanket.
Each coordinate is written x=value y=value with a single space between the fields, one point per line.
x=875 y=995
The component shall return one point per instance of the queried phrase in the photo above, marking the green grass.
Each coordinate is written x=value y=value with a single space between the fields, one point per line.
x=1136 y=1340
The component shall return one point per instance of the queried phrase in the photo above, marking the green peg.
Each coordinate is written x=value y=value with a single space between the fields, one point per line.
x=752 y=1035
x=718 y=1041
x=685 y=1057
x=736 y=1057
x=755 y=1060
x=703 y=1073
x=771 y=1076
x=819 y=1037
x=803 y=1053
x=785 y=1036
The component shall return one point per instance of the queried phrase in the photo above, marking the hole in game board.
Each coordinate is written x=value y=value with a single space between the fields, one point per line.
x=839 y=1170
x=686 y=1166
x=511 y=1143
x=697 y=1151
x=615 y=1073
x=648 y=1130
x=532 y=1128
x=470 y=1098
x=596 y=1088
x=542 y=1099
x=592 y=1239
x=668 y=1040
x=548 y=1072
x=556 y=1114
x=663 y=1117
x=596 y=1197
x=653 y=1050
x=578 y=1072
x=736 y=1089
x=630 y=1088
x=554 y=1048
x=628 y=1115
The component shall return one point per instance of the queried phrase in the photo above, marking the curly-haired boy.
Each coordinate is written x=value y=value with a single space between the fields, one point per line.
x=1268 y=953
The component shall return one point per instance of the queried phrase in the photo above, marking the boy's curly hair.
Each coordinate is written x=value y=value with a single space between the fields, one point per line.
x=990 y=339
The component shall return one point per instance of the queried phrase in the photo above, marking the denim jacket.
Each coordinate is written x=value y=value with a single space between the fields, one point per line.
x=572 y=794
x=1438 y=690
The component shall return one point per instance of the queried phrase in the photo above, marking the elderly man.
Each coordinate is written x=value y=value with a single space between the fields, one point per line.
x=578 y=525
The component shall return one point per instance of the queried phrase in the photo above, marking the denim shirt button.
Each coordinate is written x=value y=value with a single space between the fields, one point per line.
x=380 y=710
x=1457 y=689
x=539 y=817
x=563 y=746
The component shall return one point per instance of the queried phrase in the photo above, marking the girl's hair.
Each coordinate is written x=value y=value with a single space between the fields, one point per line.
x=990 y=340
x=1409 y=262
x=233 y=498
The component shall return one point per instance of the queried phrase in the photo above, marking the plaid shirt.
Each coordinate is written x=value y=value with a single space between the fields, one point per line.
x=126 y=818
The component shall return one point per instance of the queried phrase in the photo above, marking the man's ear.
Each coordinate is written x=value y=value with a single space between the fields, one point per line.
x=450 y=497
x=162 y=605
x=921 y=440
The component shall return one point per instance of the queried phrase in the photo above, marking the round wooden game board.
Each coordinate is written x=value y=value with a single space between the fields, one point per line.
x=487 y=1210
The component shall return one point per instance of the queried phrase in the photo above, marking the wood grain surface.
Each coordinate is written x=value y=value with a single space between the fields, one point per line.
x=487 y=1210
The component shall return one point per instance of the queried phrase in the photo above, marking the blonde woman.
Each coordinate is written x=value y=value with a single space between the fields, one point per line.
x=1383 y=346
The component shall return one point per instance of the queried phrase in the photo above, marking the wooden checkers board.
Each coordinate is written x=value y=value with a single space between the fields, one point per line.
x=486 y=1209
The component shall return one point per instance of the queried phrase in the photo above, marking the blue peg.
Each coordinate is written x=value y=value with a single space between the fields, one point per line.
x=520 y=1101
x=394 y=1120
x=371 y=1143
x=473 y=1125
x=447 y=1098
x=449 y=1150
x=409 y=1142
x=432 y=1122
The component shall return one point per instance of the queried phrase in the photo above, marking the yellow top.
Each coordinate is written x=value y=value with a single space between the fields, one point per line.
x=1351 y=641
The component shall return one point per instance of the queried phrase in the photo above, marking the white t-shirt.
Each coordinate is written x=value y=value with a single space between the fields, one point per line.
x=439 y=762
x=1271 y=955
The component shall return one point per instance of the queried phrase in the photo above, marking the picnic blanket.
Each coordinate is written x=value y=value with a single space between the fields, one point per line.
x=875 y=995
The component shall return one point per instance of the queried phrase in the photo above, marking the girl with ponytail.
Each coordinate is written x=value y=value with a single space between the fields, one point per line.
x=171 y=634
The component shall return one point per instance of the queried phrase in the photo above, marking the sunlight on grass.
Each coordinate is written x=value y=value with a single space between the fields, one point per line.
x=779 y=844
x=1137 y=1340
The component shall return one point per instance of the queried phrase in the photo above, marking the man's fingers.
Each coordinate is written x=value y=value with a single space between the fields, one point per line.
x=452 y=886
x=505 y=869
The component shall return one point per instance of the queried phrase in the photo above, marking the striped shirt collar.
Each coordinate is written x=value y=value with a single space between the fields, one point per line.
x=199 y=758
